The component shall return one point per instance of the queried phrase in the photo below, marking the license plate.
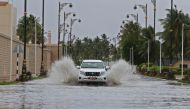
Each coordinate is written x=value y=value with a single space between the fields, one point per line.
x=92 y=78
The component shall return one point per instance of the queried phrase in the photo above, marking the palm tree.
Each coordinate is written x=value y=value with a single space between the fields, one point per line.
x=30 y=29
x=179 y=18
x=130 y=38
x=148 y=36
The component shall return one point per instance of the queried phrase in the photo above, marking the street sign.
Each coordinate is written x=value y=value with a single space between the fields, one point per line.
x=18 y=49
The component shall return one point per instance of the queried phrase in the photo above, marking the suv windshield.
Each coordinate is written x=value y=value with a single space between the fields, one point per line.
x=99 y=65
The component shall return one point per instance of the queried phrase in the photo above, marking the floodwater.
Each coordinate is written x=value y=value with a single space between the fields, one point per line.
x=134 y=92
x=140 y=93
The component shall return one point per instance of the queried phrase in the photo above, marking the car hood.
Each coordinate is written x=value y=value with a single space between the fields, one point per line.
x=92 y=70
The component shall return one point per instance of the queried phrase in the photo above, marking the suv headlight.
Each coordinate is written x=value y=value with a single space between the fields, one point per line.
x=82 y=73
x=103 y=73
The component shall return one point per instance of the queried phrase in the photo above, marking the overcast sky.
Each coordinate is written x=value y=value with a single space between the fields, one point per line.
x=98 y=16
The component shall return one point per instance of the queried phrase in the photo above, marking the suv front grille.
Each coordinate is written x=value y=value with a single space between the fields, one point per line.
x=92 y=73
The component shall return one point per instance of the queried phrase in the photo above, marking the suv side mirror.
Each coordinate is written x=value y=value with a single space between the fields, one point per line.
x=107 y=67
x=78 y=67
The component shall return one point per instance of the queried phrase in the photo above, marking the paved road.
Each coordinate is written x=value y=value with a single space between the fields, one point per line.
x=136 y=93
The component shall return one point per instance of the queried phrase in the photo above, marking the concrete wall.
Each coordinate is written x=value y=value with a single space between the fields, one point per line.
x=54 y=51
x=5 y=54
x=30 y=58
x=47 y=59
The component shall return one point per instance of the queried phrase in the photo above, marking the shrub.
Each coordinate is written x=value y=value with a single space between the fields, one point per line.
x=165 y=69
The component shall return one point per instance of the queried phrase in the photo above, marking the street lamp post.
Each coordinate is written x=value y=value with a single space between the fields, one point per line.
x=171 y=33
x=42 y=71
x=36 y=21
x=148 y=55
x=182 y=50
x=144 y=8
x=66 y=15
x=154 y=3
x=24 y=69
x=58 y=30
x=182 y=45
x=160 y=55
x=70 y=33
x=35 y=45
x=61 y=6
x=11 y=50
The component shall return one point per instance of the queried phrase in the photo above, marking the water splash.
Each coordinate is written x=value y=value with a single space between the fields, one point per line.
x=119 y=70
x=65 y=71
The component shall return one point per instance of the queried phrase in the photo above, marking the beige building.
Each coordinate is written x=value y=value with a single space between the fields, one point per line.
x=8 y=29
x=7 y=19
x=53 y=48
x=8 y=53
x=186 y=64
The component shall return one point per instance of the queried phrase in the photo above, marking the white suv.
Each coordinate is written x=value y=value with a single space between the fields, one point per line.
x=92 y=71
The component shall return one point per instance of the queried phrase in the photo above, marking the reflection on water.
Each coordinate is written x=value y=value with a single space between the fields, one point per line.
x=139 y=93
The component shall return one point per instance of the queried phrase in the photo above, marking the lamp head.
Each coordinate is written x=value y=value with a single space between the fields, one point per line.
x=135 y=7
x=175 y=6
x=70 y=5
x=127 y=16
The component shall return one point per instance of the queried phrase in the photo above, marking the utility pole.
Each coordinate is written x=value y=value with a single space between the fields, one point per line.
x=70 y=35
x=59 y=29
x=146 y=16
x=24 y=69
x=154 y=3
x=42 y=72
x=64 y=33
x=171 y=33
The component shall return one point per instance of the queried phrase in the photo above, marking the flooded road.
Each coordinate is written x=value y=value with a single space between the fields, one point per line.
x=138 y=93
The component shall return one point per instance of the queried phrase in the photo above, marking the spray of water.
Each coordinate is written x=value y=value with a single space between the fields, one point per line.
x=119 y=70
x=65 y=71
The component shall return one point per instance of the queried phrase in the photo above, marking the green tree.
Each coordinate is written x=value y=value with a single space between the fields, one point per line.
x=133 y=36
x=148 y=36
x=130 y=38
x=105 y=45
x=178 y=17
x=30 y=30
x=87 y=48
x=77 y=51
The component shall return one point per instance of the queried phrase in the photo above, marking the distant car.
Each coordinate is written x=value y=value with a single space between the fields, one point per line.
x=92 y=71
